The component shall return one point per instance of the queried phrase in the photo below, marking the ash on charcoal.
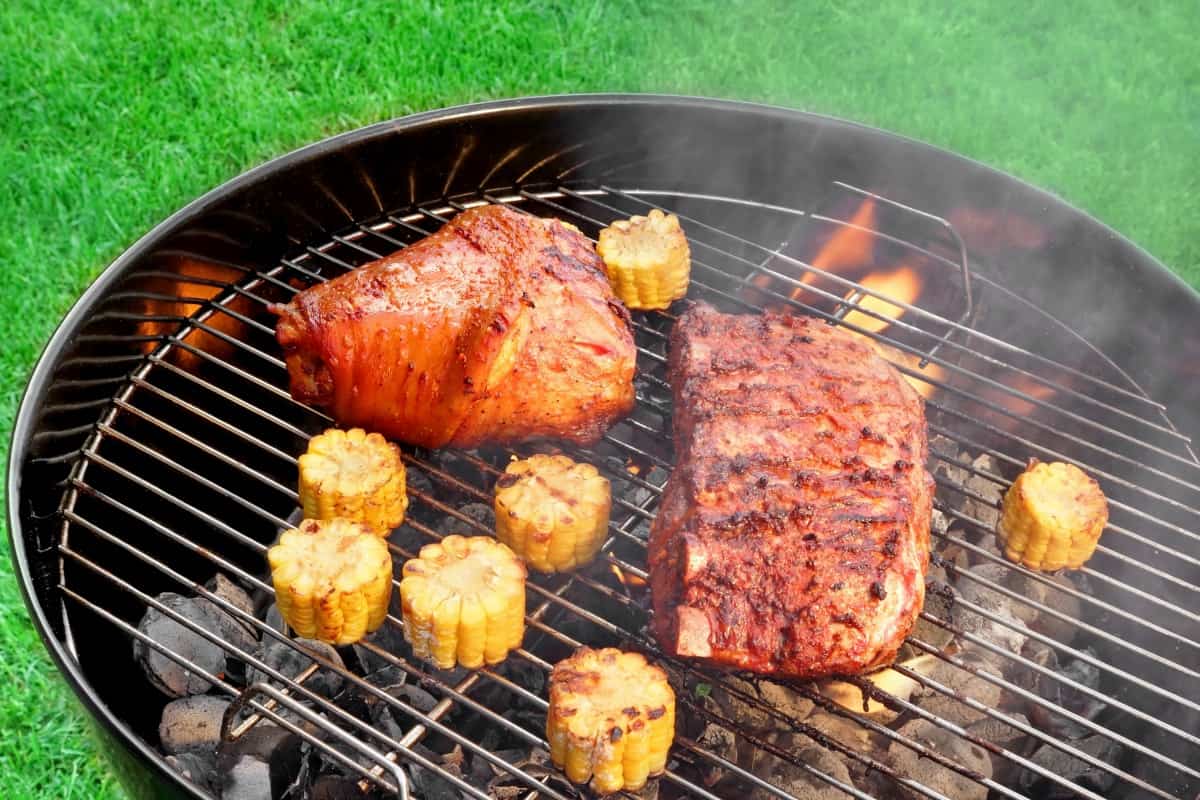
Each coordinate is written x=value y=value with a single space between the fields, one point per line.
x=199 y=768
x=1063 y=695
x=762 y=694
x=939 y=523
x=965 y=684
x=908 y=763
x=172 y=678
x=797 y=781
x=939 y=602
x=843 y=730
x=478 y=512
x=1004 y=734
x=1072 y=769
x=984 y=511
x=240 y=636
x=275 y=621
x=1005 y=769
x=1059 y=629
x=1008 y=630
x=192 y=723
x=260 y=765
x=942 y=447
x=236 y=596
x=721 y=742
x=293 y=657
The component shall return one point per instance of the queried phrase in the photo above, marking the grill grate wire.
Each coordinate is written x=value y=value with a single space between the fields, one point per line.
x=158 y=393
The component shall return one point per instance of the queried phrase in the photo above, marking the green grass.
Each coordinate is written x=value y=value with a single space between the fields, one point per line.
x=114 y=114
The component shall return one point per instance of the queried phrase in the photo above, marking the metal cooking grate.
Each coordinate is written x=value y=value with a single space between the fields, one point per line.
x=192 y=471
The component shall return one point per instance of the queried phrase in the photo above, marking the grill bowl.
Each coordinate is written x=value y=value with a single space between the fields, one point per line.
x=1081 y=294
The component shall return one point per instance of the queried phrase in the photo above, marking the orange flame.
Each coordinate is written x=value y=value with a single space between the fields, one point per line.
x=901 y=285
x=1019 y=406
x=630 y=581
x=851 y=246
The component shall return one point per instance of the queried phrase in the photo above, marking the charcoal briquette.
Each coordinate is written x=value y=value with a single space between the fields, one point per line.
x=259 y=765
x=198 y=767
x=169 y=676
x=192 y=723
x=294 y=656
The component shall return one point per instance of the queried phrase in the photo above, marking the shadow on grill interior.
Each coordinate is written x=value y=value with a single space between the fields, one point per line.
x=157 y=445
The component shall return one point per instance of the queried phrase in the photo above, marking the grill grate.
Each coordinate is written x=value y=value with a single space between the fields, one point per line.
x=194 y=465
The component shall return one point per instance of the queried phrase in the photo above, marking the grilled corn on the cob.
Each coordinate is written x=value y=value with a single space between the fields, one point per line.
x=354 y=475
x=1052 y=517
x=333 y=579
x=647 y=259
x=611 y=719
x=463 y=601
x=552 y=511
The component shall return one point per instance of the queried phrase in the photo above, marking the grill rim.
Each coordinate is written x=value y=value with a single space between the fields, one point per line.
x=119 y=738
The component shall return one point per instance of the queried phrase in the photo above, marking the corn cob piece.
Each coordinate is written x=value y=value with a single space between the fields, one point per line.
x=463 y=601
x=333 y=579
x=1052 y=517
x=354 y=475
x=647 y=259
x=552 y=512
x=611 y=719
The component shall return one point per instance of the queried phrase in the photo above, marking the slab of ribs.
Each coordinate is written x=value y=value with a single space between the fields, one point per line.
x=793 y=536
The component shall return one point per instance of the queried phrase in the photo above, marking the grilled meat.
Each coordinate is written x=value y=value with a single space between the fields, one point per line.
x=793 y=536
x=499 y=327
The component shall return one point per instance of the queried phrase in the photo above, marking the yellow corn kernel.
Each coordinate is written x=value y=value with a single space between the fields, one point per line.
x=1052 y=517
x=333 y=579
x=552 y=512
x=647 y=259
x=463 y=601
x=611 y=719
x=354 y=475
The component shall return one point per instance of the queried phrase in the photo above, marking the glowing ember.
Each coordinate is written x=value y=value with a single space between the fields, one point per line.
x=895 y=683
x=170 y=300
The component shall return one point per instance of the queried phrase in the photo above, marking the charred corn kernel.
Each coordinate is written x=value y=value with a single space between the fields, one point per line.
x=333 y=579
x=611 y=719
x=1052 y=517
x=552 y=512
x=463 y=601
x=647 y=259
x=353 y=475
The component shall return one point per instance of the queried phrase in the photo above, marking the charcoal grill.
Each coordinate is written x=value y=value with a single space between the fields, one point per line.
x=156 y=443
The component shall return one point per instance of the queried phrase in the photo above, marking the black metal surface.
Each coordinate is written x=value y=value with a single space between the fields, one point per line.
x=320 y=196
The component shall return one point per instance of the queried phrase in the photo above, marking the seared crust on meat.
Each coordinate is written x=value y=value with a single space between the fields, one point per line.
x=793 y=536
x=499 y=327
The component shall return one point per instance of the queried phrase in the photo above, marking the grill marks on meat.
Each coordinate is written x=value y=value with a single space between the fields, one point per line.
x=498 y=327
x=793 y=537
